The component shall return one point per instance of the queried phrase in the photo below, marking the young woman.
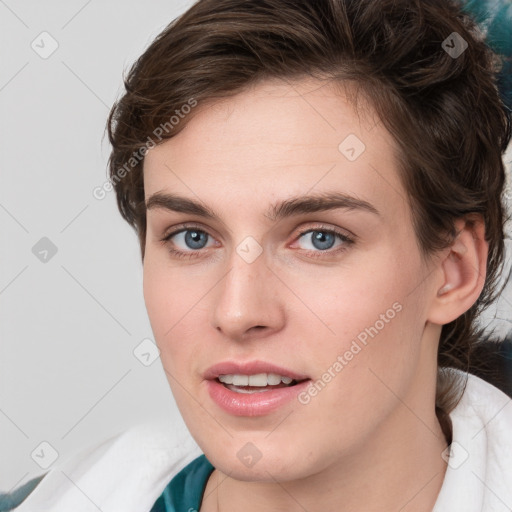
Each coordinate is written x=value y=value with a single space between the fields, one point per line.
x=317 y=191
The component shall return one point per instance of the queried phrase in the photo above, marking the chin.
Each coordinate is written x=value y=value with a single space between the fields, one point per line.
x=259 y=459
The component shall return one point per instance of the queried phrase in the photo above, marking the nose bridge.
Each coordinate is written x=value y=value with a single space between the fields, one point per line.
x=247 y=297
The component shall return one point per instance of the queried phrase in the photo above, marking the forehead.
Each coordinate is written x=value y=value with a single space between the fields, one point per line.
x=275 y=140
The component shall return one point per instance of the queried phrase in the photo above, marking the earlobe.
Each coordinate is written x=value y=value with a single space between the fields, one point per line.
x=463 y=272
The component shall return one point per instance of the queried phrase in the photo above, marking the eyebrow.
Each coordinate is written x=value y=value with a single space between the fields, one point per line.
x=282 y=209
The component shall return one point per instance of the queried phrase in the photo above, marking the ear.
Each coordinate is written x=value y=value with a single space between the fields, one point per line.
x=462 y=270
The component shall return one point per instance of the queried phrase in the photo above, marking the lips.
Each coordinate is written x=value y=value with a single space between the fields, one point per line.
x=251 y=368
x=252 y=401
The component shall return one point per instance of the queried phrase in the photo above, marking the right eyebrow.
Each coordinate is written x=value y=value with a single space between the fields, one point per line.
x=179 y=204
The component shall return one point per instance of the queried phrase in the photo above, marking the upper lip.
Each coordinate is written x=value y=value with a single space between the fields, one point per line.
x=250 y=368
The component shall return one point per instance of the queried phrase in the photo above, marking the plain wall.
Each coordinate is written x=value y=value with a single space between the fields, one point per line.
x=68 y=325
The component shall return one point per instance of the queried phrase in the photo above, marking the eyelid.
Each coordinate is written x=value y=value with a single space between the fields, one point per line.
x=185 y=226
x=327 y=227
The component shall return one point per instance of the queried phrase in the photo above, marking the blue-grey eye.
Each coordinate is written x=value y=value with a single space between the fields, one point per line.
x=320 y=240
x=192 y=238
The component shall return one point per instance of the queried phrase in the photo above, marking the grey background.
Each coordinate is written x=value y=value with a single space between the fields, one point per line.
x=69 y=324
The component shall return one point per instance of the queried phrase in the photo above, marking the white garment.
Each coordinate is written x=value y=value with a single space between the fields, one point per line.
x=128 y=472
x=480 y=477
x=125 y=473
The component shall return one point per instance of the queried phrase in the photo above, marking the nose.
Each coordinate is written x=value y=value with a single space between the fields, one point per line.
x=248 y=300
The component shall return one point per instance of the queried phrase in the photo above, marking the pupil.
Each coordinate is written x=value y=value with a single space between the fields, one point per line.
x=323 y=240
x=195 y=239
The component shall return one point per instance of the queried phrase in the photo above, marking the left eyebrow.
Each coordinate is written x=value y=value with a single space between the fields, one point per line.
x=282 y=209
x=318 y=203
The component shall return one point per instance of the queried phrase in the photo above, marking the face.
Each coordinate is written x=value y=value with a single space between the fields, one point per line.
x=262 y=276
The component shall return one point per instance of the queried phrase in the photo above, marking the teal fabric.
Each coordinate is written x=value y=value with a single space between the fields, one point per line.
x=184 y=492
x=12 y=500
x=495 y=18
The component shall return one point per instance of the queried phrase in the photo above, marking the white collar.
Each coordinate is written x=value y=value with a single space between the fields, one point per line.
x=479 y=475
x=125 y=473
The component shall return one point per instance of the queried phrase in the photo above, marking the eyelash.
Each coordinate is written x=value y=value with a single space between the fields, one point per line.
x=196 y=253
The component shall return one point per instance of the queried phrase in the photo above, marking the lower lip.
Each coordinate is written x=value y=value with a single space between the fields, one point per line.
x=253 y=404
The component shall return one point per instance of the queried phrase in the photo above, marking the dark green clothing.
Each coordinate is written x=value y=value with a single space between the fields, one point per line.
x=184 y=492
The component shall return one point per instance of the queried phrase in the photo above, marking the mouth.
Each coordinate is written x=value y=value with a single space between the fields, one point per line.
x=253 y=388
x=256 y=383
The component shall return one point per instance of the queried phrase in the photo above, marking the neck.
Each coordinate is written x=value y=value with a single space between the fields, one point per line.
x=391 y=472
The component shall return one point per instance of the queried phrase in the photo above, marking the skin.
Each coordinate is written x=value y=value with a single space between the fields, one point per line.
x=370 y=440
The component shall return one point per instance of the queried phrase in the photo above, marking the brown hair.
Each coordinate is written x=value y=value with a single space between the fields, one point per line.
x=443 y=110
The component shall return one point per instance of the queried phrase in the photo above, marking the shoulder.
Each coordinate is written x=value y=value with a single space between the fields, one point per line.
x=127 y=471
x=479 y=460
x=484 y=410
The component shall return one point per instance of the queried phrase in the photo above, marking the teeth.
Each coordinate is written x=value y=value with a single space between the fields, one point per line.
x=274 y=379
x=227 y=379
x=243 y=390
x=259 y=379
x=240 y=380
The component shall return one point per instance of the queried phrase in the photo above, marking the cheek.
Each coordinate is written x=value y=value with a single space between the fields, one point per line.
x=174 y=308
x=170 y=304
x=370 y=316
x=363 y=294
